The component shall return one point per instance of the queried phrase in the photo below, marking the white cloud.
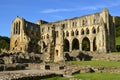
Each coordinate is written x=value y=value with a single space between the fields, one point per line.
x=57 y=16
x=54 y=10
x=80 y=8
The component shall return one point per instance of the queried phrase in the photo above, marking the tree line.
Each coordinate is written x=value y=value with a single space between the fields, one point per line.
x=4 y=43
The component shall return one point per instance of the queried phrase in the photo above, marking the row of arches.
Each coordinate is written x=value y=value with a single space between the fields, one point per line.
x=86 y=31
x=75 y=44
x=16 y=28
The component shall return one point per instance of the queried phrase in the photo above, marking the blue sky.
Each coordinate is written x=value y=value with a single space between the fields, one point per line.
x=51 y=10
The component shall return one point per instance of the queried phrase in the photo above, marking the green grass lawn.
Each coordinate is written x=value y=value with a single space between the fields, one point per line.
x=115 y=53
x=96 y=63
x=98 y=76
x=56 y=78
x=118 y=40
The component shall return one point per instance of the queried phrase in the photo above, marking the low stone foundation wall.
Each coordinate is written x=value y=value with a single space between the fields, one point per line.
x=12 y=67
x=46 y=66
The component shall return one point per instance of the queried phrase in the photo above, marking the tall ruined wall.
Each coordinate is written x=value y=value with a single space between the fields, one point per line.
x=97 y=28
x=24 y=35
x=94 y=32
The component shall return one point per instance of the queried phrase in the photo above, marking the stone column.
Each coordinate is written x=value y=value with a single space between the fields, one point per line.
x=91 y=46
x=80 y=46
x=70 y=49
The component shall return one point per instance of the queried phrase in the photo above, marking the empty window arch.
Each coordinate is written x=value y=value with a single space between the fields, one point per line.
x=82 y=32
x=72 y=33
x=93 y=30
x=14 y=28
x=76 y=32
x=44 y=46
x=47 y=36
x=75 y=44
x=86 y=44
x=66 y=45
x=87 y=31
x=16 y=32
x=19 y=28
x=67 y=33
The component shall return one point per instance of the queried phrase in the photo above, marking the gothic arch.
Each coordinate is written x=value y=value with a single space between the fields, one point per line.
x=75 y=44
x=72 y=33
x=82 y=32
x=87 y=31
x=93 y=30
x=86 y=44
x=19 y=27
x=14 y=27
x=47 y=36
x=76 y=32
x=67 y=33
x=44 y=46
x=66 y=45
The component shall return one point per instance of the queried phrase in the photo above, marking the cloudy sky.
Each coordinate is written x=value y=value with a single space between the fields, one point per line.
x=51 y=10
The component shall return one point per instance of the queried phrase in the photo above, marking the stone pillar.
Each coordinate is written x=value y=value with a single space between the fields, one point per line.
x=70 y=49
x=80 y=46
x=91 y=46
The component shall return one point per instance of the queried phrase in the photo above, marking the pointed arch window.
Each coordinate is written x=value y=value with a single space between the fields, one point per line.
x=93 y=30
x=82 y=32
x=67 y=33
x=72 y=33
x=87 y=31
x=76 y=32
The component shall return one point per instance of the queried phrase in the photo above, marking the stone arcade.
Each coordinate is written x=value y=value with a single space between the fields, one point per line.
x=94 y=32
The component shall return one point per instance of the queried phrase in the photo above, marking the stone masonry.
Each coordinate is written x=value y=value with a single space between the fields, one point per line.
x=94 y=32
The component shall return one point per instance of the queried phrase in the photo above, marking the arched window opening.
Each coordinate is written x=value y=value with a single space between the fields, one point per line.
x=82 y=32
x=44 y=46
x=94 y=30
x=47 y=36
x=76 y=32
x=66 y=45
x=75 y=44
x=67 y=33
x=14 y=28
x=96 y=19
x=86 y=44
x=19 y=28
x=87 y=31
x=84 y=22
x=57 y=52
x=16 y=32
x=72 y=33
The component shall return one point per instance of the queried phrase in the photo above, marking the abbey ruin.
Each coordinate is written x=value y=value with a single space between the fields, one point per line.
x=94 y=33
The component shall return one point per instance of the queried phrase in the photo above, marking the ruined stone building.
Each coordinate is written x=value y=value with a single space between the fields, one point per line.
x=94 y=32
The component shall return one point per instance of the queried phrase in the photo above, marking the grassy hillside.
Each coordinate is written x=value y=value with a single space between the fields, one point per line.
x=118 y=40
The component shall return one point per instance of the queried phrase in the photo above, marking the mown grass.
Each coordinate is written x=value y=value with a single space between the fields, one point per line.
x=118 y=40
x=98 y=76
x=56 y=78
x=102 y=63
x=115 y=53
